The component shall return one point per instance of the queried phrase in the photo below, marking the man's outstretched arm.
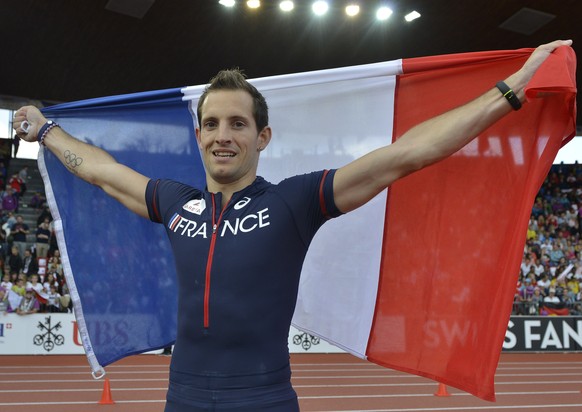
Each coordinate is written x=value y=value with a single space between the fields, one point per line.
x=88 y=162
x=431 y=141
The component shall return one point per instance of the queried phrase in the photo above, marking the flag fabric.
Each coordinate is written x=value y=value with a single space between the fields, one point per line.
x=41 y=296
x=420 y=279
x=14 y=299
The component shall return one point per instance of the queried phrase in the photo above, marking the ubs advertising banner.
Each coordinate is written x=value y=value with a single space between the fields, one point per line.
x=57 y=334
x=46 y=334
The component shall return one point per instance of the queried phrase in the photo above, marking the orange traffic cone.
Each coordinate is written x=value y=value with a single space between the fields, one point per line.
x=106 y=394
x=442 y=390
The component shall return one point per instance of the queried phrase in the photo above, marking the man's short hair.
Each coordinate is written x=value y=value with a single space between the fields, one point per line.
x=235 y=79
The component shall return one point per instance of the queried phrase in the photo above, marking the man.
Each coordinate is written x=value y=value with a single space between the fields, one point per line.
x=13 y=263
x=29 y=304
x=240 y=244
x=43 y=235
x=29 y=263
x=20 y=231
x=4 y=302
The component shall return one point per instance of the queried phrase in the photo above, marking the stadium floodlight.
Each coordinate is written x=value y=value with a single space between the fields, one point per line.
x=383 y=13
x=352 y=10
x=413 y=15
x=227 y=3
x=254 y=4
x=320 y=7
x=286 y=5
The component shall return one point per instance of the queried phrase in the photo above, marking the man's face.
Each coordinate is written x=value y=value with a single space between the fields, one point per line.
x=228 y=138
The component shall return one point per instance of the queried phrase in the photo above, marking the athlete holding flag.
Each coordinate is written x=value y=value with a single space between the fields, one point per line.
x=237 y=295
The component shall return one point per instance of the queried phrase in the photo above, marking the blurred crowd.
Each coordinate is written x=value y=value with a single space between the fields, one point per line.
x=30 y=262
x=550 y=279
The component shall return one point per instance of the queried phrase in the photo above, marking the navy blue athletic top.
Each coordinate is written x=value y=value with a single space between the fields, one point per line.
x=238 y=270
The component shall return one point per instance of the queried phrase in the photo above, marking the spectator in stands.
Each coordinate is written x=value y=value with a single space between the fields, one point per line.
x=10 y=221
x=53 y=246
x=560 y=288
x=43 y=235
x=29 y=304
x=538 y=208
x=29 y=263
x=49 y=281
x=546 y=245
x=526 y=265
x=59 y=280
x=578 y=300
x=19 y=232
x=9 y=200
x=573 y=285
x=536 y=302
x=568 y=297
x=518 y=303
x=570 y=252
x=23 y=176
x=6 y=284
x=38 y=289
x=13 y=277
x=34 y=284
x=16 y=183
x=552 y=298
x=55 y=262
x=13 y=262
x=526 y=294
x=539 y=269
x=19 y=287
x=46 y=213
x=4 y=303
x=66 y=303
x=37 y=201
x=544 y=284
x=23 y=173
x=531 y=232
x=15 y=145
x=53 y=300
x=4 y=248
x=556 y=254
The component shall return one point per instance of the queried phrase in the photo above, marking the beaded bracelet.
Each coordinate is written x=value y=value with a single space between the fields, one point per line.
x=45 y=129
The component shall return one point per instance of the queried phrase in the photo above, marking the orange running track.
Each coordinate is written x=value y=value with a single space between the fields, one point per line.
x=332 y=382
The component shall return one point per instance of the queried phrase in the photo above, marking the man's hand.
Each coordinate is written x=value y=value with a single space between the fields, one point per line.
x=541 y=53
x=519 y=80
x=33 y=117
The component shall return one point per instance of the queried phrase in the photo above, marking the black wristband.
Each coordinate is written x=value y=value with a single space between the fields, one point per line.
x=509 y=95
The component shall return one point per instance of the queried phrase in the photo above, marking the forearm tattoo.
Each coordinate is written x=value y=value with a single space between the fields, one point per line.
x=72 y=161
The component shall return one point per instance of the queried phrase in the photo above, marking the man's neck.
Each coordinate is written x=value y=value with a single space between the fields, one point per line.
x=228 y=189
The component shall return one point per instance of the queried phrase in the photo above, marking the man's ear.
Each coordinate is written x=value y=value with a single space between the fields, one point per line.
x=264 y=138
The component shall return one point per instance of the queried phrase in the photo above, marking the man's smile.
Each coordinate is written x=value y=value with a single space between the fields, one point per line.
x=220 y=153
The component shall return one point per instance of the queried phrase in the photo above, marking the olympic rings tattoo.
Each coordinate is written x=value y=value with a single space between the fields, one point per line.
x=72 y=160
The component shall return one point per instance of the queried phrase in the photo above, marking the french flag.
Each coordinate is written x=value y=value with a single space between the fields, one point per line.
x=420 y=279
